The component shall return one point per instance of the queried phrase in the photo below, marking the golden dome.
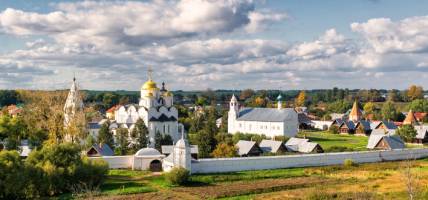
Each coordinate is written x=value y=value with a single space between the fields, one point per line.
x=149 y=85
x=149 y=94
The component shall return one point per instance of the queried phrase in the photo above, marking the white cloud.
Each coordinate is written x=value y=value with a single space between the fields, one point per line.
x=409 y=35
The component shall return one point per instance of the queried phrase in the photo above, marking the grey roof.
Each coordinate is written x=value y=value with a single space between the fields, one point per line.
x=337 y=121
x=270 y=146
x=300 y=145
x=244 y=147
x=105 y=150
x=167 y=149
x=303 y=118
x=393 y=141
x=388 y=124
x=366 y=124
x=421 y=132
x=94 y=125
x=349 y=124
x=266 y=114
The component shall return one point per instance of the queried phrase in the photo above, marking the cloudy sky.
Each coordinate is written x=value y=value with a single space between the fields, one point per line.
x=222 y=44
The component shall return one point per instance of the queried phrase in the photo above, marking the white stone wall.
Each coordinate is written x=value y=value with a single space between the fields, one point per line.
x=306 y=160
x=117 y=162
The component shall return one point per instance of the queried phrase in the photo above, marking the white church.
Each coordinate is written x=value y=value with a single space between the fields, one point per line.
x=267 y=121
x=156 y=108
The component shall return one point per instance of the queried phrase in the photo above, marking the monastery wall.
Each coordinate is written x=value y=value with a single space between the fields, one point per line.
x=117 y=162
x=306 y=160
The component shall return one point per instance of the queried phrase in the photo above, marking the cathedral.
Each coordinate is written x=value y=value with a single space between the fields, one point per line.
x=155 y=107
x=267 y=121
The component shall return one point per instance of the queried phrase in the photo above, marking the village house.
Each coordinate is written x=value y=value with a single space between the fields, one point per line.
x=302 y=145
x=422 y=135
x=272 y=146
x=248 y=148
x=363 y=127
x=410 y=119
x=99 y=150
x=381 y=141
x=384 y=125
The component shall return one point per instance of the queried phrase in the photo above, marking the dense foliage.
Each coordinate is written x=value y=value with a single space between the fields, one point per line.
x=178 y=176
x=53 y=170
x=407 y=133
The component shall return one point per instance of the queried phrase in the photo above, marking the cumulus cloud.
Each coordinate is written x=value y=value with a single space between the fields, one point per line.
x=123 y=25
x=409 y=35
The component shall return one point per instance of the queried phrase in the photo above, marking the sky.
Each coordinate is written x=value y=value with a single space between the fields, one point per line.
x=222 y=44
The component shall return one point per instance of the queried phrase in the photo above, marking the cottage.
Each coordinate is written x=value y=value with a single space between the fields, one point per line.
x=347 y=127
x=99 y=150
x=304 y=121
x=303 y=146
x=385 y=142
x=363 y=127
x=272 y=146
x=385 y=125
x=248 y=148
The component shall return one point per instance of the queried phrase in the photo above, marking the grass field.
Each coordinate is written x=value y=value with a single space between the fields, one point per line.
x=331 y=142
x=366 y=181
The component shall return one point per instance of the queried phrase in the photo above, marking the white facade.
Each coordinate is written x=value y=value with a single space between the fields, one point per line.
x=268 y=121
x=156 y=108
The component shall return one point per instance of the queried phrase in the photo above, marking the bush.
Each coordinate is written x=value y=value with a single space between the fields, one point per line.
x=53 y=170
x=339 y=149
x=349 y=163
x=334 y=129
x=178 y=176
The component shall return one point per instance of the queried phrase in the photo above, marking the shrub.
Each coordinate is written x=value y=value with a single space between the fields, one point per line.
x=339 y=149
x=178 y=176
x=334 y=129
x=349 y=163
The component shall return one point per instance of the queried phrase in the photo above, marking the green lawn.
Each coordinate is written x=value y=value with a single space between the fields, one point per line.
x=121 y=182
x=336 y=142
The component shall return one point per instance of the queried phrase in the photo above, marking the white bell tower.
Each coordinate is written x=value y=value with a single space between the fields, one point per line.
x=233 y=114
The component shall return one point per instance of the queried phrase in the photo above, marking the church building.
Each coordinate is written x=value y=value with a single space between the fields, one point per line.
x=267 y=121
x=156 y=108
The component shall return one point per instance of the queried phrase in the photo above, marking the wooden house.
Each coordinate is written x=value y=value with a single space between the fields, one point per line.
x=272 y=146
x=363 y=127
x=422 y=135
x=347 y=127
x=248 y=148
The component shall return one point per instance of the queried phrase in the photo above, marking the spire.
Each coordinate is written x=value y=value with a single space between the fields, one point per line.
x=410 y=118
x=279 y=99
x=355 y=114
x=149 y=72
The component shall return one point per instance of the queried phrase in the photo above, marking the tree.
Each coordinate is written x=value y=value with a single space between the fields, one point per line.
x=166 y=140
x=13 y=177
x=300 y=100
x=339 y=106
x=140 y=134
x=12 y=129
x=224 y=150
x=369 y=108
x=158 y=141
x=418 y=105
x=203 y=140
x=245 y=94
x=389 y=111
x=407 y=133
x=105 y=136
x=415 y=92
x=122 y=140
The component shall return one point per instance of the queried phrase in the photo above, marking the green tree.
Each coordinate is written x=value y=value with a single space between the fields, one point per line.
x=122 y=140
x=158 y=141
x=389 y=112
x=105 y=136
x=407 y=133
x=13 y=177
x=369 y=108
x=418 y=105
x=140 y=134
x=224 y=150
x=339 y=106
x=203 y=140
x=12 y=129
x=166 y=140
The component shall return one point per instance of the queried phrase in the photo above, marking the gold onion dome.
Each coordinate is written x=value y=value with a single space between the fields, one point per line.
x=149 y=85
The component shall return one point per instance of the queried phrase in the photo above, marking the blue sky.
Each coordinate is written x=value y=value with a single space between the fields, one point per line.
x=217 y=44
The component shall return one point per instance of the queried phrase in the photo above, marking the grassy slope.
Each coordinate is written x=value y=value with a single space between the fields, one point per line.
x=328 y=140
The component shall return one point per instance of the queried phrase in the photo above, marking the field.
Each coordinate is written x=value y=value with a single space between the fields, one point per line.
x=337 y=142
x=367 y=181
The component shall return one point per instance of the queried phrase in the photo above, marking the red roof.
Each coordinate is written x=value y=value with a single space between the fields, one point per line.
x=13 y=109
x=420 y=115
x=112 y=109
